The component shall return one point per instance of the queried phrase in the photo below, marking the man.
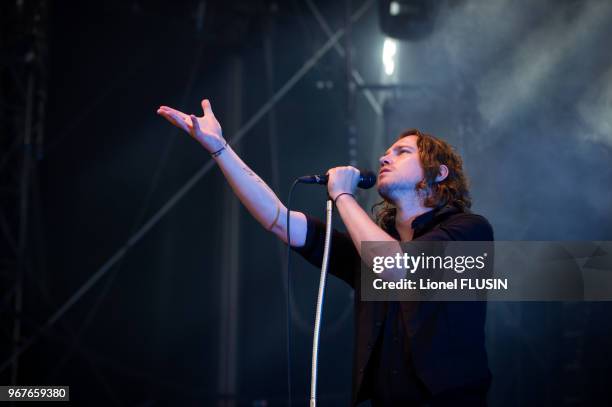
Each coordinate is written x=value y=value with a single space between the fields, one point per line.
x=406 y=353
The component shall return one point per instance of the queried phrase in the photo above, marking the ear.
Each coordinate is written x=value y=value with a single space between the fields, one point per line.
x=442 y=173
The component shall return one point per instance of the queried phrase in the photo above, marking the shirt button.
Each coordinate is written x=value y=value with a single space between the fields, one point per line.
x=378 y=323
x=395 y=338
x=394 y=371
x=360 y=370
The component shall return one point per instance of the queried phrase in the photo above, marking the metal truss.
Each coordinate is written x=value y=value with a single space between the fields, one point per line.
x=23 y=49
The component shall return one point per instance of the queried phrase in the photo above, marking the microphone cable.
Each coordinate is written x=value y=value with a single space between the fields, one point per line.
x=288 y=273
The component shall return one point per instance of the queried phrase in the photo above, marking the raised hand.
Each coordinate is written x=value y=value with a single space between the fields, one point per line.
x=206 y=129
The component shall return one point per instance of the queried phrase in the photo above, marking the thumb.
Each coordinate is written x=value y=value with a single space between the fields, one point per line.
x=207 y=108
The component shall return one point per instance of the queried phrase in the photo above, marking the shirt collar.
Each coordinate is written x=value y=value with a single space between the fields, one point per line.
x=427 y=220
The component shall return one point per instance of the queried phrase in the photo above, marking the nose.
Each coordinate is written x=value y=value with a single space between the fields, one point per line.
x=384 y=160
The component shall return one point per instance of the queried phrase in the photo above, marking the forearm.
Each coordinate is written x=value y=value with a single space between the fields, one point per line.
x=261 y=202
x=359 y=225
x=362 y=228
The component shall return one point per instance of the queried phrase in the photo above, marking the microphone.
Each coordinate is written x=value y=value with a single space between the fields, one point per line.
x=367 y=179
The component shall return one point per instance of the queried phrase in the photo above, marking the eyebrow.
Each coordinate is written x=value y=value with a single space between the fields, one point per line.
x=399 y=147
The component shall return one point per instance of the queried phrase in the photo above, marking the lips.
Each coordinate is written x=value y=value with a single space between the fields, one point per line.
x=382 y=171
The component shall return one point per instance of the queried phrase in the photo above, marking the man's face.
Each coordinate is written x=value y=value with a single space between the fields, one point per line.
x=400 y=169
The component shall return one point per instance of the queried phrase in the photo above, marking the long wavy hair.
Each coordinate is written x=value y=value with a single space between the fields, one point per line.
x=453 y=190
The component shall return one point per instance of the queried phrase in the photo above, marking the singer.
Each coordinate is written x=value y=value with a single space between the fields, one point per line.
x=406 y=353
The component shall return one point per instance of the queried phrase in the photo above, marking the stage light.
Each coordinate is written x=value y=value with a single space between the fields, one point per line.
x=407 y=19
x=394 y=8
x=388 y=55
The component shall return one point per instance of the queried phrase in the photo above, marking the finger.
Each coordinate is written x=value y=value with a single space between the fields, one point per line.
x=174 y=111
x=207 y=108
x=182 y=122
x=166 y=116
x=176 y=120
x=165 y=113
x=165 y=108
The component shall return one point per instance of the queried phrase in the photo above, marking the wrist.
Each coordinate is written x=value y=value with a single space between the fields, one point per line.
x=342 y=195
x=211 y=144
x=220 y=149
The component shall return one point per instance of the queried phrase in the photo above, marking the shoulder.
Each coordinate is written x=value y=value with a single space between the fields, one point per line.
x=468 y=226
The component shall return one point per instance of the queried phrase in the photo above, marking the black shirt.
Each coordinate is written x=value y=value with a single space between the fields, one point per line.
x=441 y=344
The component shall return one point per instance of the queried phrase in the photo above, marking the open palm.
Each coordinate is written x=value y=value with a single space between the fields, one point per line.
x=205 y=129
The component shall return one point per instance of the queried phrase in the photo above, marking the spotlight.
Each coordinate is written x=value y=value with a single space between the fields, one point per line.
x=407 y=19
x=388 y=55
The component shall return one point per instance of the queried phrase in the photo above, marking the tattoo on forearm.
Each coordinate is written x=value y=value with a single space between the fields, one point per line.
x=252 y=174
x=257 y=179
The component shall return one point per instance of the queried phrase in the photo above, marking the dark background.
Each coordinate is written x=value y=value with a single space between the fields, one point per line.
x=522 y=89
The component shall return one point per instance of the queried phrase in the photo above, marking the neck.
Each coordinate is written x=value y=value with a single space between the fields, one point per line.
x=408 y=209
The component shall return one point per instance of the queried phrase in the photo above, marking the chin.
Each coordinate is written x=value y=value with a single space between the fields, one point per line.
x=385 y=190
